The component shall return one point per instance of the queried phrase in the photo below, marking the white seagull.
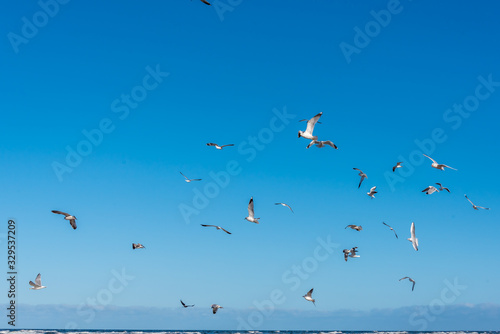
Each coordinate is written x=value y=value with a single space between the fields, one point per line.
x=189 y=180
x=411 y=280
x=438 y=166
x=363 y=176
x=354 y=227
x=215 y=307
x=284 y=204
x=308 y=134
x=398 y=165
x=476 y=207
x=372 y=192
x=308 y=296
x=67 y=216
x=413 y=239
x=38 y=283
x=217 y=227
x=251 y=215
x=322 y=143
x=430 y=190
x=219 y=147
x=136 y=246
x=350 y=252
x=442 y=188
x=185 y=306
x=391 y=229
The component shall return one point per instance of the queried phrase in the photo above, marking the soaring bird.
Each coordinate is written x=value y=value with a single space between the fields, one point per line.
x=430 y=190
x=217 y=227
x=189 y=180
x=411 y=280
x=398 y=165
x=284 y=204
x=363 y=176
x=136 y=246
x=391 y=229
x=219 y=147
x=476 y=207
x=438 y=166
x=308 y=134
x=442 y=188
x=251 y=216
x=322 y=143
x=350 y=253
x=354 y=227
x=185 y=304
x=38 y=283
x=215 y=307
x=308 y=296
x=413 y=239
x=372 y=192
x=67 y=216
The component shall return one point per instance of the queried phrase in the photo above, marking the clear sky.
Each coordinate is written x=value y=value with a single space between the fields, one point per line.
x=104 y=103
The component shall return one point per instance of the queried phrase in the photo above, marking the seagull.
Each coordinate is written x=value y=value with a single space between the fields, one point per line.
x=67 y=216
x=391 y=229
x=284 y=204
x=38 y=283
x=354 y=227
x=413 y=238
x=476 y=207
x=185 y=306
x=215 y=307
x=398 y=165
x=219 y=147
x=217 y=227
x=189 y=180
x=442 y=188
x=251 y=215
x=350 y=253
x=411 y=280
x=372 y=192
x=363 y=176
x=430 y=190
x=308 y=134
x=308 y=296
x=322 y=143
x=438 y=166
x=135 y=246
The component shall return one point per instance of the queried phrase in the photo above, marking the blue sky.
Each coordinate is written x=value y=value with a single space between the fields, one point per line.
x=152 y=82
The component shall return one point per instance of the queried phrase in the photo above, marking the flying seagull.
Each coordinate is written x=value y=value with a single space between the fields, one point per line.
x=438 y=166
x=135 y=246
x=354 y=227
x=185 y=306
x=363 y=176
x=308 y=296
x=413 y=239
x=67 y=216
x=391 y=229
x=442 y=188
x=217 y=227
x=215 y=307
x=219 y=147
x=322 y=143
x=476 y=207
x=189 y=180
x=38 y=283
x=308 y=134
x=350 y=253
x=411 y=280
x=251 y=215
x=284 y=204
x=398 y=165
x=372 y=192
x=430 y=190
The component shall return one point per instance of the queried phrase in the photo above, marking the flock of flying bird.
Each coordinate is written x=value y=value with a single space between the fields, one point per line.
x=308 y=134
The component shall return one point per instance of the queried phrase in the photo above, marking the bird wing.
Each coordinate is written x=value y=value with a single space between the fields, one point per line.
x=311 y=143
x=482 y=207
x=38 y=280
x=372 y=189
x=183 y=304
x=430 y=158
x=426 y=189
x=227 y=145
x=449 y=167
x=403 y=278
x=288 y=206
x=469 y=200
x=250 y=208
x=412 y=230
x=73 y=224
x=33 y=284
x=348 y=226
x=195 y=179
x=413 y=286
x=206 y=2
x=310 y=292
x=225 y=230
x=312 y=122
x=61 y=213
x=444 y=188
x=185 y=175
x=394 y=168
x=208 y=225
x=395 y=233
x=330 y=143
x=211 y=144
